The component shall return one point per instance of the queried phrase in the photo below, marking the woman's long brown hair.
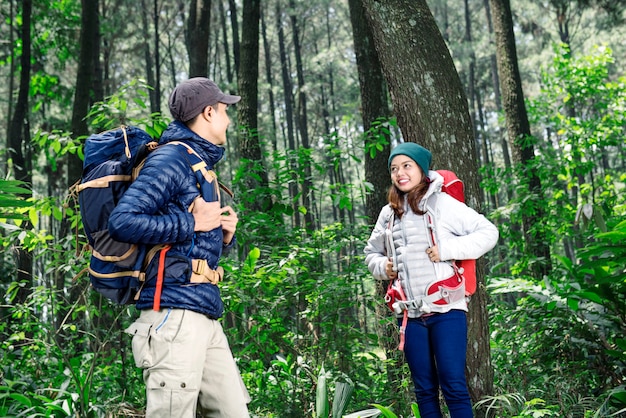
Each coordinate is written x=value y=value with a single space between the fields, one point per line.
x=413 y=196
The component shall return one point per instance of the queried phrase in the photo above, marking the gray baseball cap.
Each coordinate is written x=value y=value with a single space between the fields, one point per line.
x=190 y=97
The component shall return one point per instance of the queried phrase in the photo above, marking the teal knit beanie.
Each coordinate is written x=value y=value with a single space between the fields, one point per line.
x=417 y=153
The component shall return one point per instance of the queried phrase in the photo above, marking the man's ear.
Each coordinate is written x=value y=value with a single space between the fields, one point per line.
x=207 y=112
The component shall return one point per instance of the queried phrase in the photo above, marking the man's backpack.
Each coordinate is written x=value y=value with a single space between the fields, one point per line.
x=112 y=161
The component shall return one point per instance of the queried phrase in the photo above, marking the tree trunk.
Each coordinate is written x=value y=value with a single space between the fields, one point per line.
x=235 y=28
x=375 y=105
x=518 y=128
x=85 y=79
x=288 y=98
x=230 y=75
x=249 y=141
x=155 y=104
x=145 y=29
x=308 y=198
x=197 y=37
x=20 y=152
x=270 y=82
x=432 y=110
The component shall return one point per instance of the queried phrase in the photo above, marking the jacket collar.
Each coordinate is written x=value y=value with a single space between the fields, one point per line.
x=178 y=131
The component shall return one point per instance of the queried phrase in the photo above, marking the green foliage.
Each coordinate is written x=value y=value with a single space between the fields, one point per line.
x=127 y=106
x=564 y=334
x=300 y=302
x=377 y=138
x=10 y=200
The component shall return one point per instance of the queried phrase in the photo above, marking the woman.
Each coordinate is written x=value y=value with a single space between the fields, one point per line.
x=427 y=229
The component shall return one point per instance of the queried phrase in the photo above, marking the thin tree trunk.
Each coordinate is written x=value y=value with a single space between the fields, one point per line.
x=235 y=28
x=288 y=98
x=19 y=151
x=156 y=104
x=197 y=37
x=270 y=82
x=230 y=74
x=85 y=79
x=518 y=128
x=145 y=28
x=249 y=141
x=308 y=197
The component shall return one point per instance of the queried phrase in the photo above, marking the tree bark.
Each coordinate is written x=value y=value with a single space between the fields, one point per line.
x=432 y=109
x=85 y=78
x=249 y=142
x=518 y=128
x=197 y=37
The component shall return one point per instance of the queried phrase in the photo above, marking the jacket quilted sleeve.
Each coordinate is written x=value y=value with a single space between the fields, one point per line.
x=462 y=233
x=139 y=216
x=375 y=251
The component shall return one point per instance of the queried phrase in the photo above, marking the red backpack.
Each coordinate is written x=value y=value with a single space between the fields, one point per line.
x=453 y=186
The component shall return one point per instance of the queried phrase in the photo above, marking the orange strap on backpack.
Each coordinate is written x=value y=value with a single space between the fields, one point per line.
x=159 y=284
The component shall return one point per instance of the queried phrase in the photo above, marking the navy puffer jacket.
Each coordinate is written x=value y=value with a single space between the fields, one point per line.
x=154 y=210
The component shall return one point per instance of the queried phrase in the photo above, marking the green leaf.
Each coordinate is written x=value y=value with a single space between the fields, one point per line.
x=343 y=392
x=321 y=395
x=22 y=399
x=573 y=304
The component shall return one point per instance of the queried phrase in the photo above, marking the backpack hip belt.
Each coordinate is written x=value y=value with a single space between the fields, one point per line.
x=202 y=273
x=442 y=294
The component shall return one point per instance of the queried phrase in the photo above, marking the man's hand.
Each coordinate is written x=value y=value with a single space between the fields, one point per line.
x=207 y=215
x=229 y=223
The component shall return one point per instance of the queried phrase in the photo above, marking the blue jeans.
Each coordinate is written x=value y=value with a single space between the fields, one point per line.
x=435 y=349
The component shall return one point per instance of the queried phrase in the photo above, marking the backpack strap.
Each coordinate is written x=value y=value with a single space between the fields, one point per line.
x=156 y=304
x=432 y=237
x=207 y=179
x=395 y=283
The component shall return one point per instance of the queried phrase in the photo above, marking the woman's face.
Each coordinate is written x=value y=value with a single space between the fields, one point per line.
x=405 y=173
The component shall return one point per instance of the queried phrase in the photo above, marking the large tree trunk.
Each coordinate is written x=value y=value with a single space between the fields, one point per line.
x=518 y=128
x=197 y=37
x=432 y=109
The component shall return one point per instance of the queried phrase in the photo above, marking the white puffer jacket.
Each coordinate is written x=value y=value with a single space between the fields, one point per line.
x=461 y=233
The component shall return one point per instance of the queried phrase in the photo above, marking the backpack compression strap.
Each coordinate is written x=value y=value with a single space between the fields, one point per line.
x=156 y=305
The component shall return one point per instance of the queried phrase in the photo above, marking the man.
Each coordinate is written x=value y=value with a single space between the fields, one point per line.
x=178 y=340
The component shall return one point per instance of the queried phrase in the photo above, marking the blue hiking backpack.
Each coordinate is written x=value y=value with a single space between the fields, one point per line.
x=112 y=161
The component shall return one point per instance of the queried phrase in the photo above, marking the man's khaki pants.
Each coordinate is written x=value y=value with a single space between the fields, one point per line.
x=186 y=360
